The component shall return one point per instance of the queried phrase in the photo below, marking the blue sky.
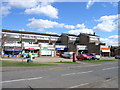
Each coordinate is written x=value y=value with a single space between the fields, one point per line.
x=63 y=17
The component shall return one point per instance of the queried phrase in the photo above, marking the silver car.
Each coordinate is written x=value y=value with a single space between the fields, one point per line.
x=67 y=55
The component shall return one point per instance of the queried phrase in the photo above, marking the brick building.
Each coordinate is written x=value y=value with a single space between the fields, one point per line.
x=19 y=43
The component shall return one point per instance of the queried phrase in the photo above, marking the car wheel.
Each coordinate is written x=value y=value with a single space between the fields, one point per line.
x=78 y=59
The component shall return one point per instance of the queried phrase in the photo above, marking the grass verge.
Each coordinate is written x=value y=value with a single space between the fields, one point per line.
x=96 y=61
x=22 y=64
x=69 y=62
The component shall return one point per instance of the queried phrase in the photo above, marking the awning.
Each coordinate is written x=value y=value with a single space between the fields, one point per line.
x=105 y=49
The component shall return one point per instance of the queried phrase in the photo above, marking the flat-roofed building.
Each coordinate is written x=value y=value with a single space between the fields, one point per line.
x=20 y=43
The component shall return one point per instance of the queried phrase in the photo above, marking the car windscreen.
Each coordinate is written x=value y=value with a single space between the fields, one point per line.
x=84 y=55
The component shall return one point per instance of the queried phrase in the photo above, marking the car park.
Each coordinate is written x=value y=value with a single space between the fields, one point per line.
x=83 y=57
x=67 y=55
x=117 y=57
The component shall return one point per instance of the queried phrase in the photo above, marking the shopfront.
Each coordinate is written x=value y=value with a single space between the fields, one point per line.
x=11 y=52
x=33 y=50
x=105 y=52
x=60 y=49
x=47 y=50
x=82 y=49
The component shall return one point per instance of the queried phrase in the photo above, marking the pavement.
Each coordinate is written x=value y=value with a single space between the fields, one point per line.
x=46 y=59
x=41 y=59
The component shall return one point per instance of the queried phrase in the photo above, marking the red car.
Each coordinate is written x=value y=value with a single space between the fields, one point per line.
x=83 y=57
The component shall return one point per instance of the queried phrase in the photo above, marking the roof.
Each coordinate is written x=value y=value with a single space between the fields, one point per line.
x=70 y=34
x=88 y=34
x=25 y=32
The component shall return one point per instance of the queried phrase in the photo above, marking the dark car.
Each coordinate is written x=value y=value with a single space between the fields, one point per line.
x=83 y=57
x=117 y=57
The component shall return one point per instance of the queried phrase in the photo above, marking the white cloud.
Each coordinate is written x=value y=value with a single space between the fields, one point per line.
x=47 y=10
x=33 y=7
x=108 y=23
x=69 y=26
x=40 y=23
x=109 y=41
x=90 y=3
x=5 y=10
x=41 y=30
x=114 y=37
x=78 y=31
x=22 y=30
x=80 y=26
x=51 y=33
x=22 y=3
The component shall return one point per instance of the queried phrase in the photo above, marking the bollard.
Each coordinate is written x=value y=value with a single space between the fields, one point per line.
x=74 y=57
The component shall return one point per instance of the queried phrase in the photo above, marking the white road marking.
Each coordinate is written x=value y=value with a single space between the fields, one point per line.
x=68 y=74
x=79 y=85
x=84 y=72
x=75 y=73
x=21 y=80
x=109 y=68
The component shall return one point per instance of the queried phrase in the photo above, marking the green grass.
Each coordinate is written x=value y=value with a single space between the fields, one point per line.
x=69 y=62
x=23 y=64
x=96 y=61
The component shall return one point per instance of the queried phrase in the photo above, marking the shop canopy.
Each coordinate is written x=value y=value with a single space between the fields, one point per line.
x=105 y=49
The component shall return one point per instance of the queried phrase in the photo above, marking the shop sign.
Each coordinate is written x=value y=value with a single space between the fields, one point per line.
x=47 y=47
x=79 y=47
x=105 y=49
x=13 y=49
x=82 y=48
x=60 y=46
x=32 y=47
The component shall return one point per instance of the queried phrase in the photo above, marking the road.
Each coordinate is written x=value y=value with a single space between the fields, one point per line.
x=76 y=76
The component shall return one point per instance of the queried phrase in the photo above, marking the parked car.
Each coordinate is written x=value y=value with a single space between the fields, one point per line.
x=67 y=55
x=58 y=54
x=117 y=57
x=94 y=56
x=83 y=57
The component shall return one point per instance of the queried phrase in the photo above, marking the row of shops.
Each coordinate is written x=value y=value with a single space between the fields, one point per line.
x=20 y=43
x=46 y=50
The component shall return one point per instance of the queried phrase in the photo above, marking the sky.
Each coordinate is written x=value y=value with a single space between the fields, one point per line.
x=63 y=17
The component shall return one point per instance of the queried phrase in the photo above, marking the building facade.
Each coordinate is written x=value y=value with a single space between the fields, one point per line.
x=20 y=43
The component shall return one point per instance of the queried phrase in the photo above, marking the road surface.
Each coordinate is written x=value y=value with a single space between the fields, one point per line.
x=69 y=76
